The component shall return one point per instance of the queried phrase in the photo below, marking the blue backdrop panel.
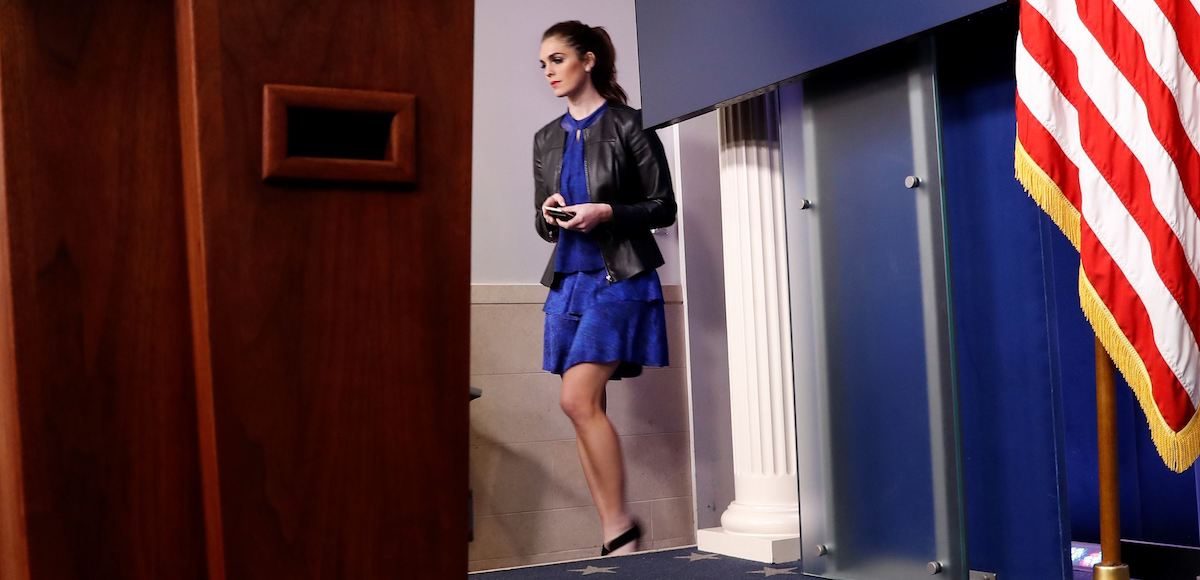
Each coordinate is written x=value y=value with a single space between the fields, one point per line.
x=1005 y=337
x=1025 y=362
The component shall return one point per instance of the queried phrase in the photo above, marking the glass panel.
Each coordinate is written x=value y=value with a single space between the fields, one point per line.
x=879 y=472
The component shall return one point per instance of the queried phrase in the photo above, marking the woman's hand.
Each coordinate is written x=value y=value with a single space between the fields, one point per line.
x=555 y=200
x=587 y=216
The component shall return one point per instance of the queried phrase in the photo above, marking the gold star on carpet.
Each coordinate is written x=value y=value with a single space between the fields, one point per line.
x=597 y=570
x=767 y=572
x=697 y=556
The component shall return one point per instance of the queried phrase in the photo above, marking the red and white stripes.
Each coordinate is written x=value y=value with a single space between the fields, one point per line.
x=1108 y=130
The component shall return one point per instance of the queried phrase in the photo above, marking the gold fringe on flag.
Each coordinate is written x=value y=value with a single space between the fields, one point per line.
x=1177 y=449
x=1047 y=194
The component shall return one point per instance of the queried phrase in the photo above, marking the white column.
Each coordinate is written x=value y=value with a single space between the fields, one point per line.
x=763 y=521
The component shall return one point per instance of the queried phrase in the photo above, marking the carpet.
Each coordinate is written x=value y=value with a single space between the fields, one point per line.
x=681 y=563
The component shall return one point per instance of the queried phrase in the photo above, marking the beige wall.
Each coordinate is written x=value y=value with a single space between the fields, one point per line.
x=531 y=501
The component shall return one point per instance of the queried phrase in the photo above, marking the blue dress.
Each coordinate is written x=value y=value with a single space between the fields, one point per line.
x=588 y=318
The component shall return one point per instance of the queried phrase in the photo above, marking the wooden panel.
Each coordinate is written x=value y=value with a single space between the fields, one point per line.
x=14 y=549
x=99 y=335
x=336 y=318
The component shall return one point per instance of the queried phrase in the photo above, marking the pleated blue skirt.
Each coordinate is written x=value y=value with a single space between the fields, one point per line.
x=590 y=320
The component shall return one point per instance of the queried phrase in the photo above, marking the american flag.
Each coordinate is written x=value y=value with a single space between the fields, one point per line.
x=1108 y=134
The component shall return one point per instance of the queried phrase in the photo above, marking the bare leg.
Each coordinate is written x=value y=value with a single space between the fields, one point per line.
x=583 y=401
x=589 y=470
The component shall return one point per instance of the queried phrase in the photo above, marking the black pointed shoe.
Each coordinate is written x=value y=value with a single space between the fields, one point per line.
x=633 y=534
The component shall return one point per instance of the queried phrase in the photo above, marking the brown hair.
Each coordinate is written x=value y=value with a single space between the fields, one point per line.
x=593 y=39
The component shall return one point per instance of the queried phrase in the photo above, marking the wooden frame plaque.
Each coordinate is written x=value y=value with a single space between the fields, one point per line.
x=327 y=134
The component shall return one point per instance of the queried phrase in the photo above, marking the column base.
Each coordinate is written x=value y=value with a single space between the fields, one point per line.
x=767 y=549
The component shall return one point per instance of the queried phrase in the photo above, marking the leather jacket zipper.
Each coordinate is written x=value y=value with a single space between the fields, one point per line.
x=587 y=174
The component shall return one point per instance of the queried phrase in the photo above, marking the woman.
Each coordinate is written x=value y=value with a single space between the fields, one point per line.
x=604 y=312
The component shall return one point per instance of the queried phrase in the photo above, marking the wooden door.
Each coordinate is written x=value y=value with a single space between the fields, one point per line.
x=209 y=375
x=99 y=473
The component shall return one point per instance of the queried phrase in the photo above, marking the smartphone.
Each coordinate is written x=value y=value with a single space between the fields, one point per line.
x=559 y=214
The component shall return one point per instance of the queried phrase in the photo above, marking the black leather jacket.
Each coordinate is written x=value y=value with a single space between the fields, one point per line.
x=627 y=169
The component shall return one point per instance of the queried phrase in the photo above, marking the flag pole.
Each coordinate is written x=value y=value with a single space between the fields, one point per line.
x=1110 y=566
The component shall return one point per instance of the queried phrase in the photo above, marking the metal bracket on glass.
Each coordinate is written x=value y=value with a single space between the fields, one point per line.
x=977 y=575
